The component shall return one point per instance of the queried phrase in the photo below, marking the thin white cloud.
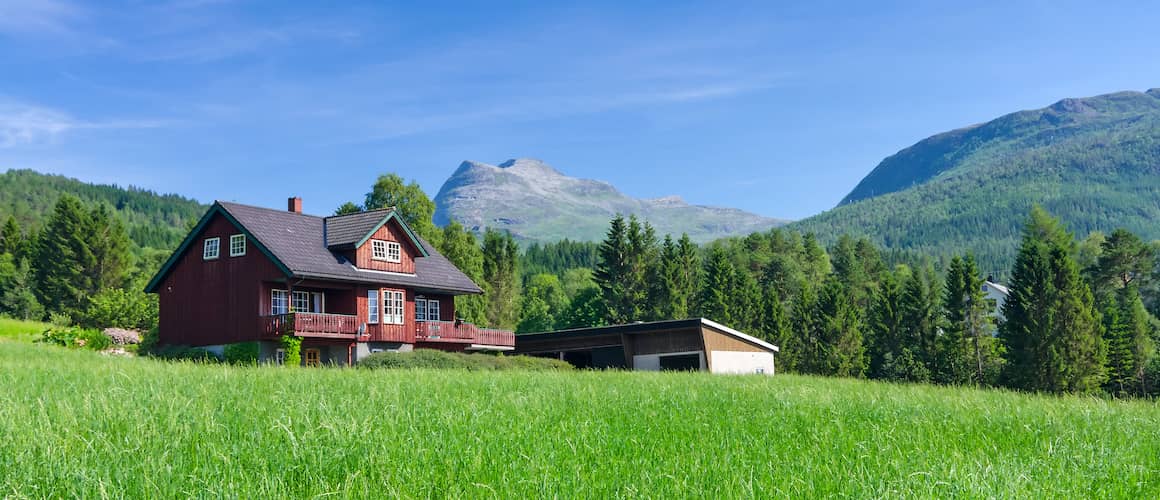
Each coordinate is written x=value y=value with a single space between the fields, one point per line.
x=37 y=17
x=24 y=124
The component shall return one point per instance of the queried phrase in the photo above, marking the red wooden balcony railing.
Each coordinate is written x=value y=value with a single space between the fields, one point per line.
x=449 y=331
x=305 y=324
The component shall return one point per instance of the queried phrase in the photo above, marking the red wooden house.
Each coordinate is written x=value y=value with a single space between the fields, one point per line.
x=348 y=285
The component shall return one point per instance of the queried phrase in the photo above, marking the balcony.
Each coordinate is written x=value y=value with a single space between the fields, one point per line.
x=315 y=325
x=462 y=333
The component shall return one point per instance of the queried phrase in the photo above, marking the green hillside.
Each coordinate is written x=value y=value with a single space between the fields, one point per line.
x=153 y=220
x=79 y=424
x=1094 y=162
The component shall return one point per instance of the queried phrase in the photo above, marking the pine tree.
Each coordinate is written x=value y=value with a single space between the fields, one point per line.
x=501 y=278
x=1026 y=312
x=612 y=274
x=64 y=258
x=886 y=331
x=1128 y=332
x=643 y=270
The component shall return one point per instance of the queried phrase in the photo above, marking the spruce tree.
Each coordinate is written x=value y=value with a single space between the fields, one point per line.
x=109 y=244
x=612 y=274
x=11 y=241
x=1052 y=331
x=803 y=348
x=1075 y=353
x=689 y=276
x=775 y=326
x=920 y=312
x=842 y=351
x=64 y=258
x=966 y=348
x=886 y=332
x=1128 y=333
x=715 y=300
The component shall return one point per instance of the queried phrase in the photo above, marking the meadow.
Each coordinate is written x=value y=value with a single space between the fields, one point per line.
x=20 y=330
x=79 y=423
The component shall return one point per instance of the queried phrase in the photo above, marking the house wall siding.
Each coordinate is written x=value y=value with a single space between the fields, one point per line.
x=217 y=301
x=391 y=231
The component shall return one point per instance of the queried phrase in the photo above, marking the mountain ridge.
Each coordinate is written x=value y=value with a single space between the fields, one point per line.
x=537 y=202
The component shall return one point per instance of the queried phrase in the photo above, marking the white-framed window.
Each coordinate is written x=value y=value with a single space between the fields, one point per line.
x=432 y=310
x=372 y=306
x=279 y=302
x=237 y=245
x=211 y=249
x=393 y=304
x=279 y=356
x=301 y=301
x=389 y=251
x=420 y=309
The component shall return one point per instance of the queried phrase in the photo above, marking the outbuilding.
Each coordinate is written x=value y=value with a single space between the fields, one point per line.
x=688 y=344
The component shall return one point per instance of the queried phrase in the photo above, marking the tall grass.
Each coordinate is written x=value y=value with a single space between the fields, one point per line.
x=76 y=423
x=20 y=330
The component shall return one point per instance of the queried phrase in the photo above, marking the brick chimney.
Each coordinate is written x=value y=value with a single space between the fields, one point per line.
x=294 y=204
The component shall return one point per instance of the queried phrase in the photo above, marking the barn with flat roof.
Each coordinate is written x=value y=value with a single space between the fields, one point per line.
x=686 y=344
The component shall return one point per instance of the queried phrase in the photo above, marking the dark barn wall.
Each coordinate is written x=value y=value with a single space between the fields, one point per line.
x=217 y=301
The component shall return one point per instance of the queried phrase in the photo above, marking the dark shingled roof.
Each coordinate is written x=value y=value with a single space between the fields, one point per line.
x=347 y=230
x=297 y=241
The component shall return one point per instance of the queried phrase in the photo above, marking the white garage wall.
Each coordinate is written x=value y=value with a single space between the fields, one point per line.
x=742 y=362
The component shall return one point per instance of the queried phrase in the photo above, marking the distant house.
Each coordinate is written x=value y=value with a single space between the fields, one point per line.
x=348 y=285
x=997 y=293
x=687 y=344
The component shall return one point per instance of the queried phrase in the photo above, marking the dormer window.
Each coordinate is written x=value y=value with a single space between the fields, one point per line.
x=237 y=245
x=389 y=251
x=211 y=249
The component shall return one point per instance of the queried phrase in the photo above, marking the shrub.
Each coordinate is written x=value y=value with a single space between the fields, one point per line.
x=242 y=353
x=121 y=308
x=74 y=337
x=148 y=342
x=435 y=359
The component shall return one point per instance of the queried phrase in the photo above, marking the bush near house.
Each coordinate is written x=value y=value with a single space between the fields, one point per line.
x=430 y=358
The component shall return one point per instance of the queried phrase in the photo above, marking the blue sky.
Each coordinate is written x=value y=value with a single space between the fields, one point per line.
x=766 y=106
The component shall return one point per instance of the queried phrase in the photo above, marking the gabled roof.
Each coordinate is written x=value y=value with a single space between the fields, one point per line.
x=997 y=287
x=352 y=230
x=296 y=244
x=648 y=327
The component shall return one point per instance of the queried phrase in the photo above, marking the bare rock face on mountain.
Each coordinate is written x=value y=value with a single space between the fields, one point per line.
x=538 y=203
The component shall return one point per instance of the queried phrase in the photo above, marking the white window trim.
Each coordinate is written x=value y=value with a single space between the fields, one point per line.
x=297 y=297
x=373 y=316
x=433 y=304
x=285 y=300
x=420 y=309
x=379 y=250
x=240 y=241
x=394 y=308
x=394 y=252
x=217 y=248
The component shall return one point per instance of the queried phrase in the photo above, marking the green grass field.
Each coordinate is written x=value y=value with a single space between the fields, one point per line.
x=77 y=423
x=24 y=331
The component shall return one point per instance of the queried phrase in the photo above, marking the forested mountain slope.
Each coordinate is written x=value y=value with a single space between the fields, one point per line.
x=153 y=220
x=1094 y=162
